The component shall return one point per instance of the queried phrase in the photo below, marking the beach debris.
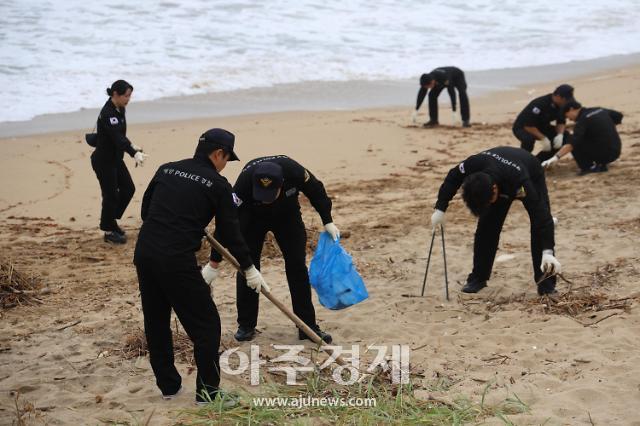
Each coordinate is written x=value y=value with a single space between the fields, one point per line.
x=574 y=303
x=25 y=411
x=135 y=345
x=16 y=288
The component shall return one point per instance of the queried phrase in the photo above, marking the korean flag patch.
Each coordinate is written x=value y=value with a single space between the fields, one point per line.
x=461 y=167
x=536 y=110
x=236 y=200
x=113 y=120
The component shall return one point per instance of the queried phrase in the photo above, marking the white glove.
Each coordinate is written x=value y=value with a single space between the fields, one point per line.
x=454 y=118
x=136 y=147
x=549 y=263
x=139 y=158
x=437 y=218
x=332 y=230
x=545 y=144
x=550 y=162
x=414 y=116
x=209 y=273
x=255 y=280
x=557 y=141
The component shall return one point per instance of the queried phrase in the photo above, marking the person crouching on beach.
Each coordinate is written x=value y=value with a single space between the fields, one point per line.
x=533 y=124
x=595 y=141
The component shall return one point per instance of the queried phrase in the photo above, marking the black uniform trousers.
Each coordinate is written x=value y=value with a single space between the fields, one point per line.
x=527 y=140
x=178 y=284
x=461 y=86
x=290 y=234
x=487 y=237
x=117 y=190
x=585 y=157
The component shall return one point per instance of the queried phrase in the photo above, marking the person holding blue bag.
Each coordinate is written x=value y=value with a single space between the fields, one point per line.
x=266 y=193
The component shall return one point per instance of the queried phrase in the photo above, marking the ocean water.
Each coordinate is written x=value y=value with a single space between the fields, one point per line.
x=59 y=56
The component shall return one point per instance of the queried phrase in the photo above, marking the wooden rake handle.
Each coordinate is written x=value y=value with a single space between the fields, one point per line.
x=293 y=317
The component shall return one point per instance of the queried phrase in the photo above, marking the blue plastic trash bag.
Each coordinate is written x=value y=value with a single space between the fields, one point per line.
x=334 y=276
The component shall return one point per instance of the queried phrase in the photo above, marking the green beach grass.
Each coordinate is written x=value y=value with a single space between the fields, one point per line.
x=393 y=405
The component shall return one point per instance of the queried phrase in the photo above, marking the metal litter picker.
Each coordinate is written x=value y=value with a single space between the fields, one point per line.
x=444 y=256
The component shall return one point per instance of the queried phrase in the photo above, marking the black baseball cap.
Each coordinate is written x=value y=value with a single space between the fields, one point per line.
x=564 y=91
x=267 y=180
x=220 y=139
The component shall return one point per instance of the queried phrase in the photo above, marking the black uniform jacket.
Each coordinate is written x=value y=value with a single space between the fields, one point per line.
x=597 y=126
x=296 y=179
x=444 y=76
x=539 y=113
x=514 y=171
x=179 y=203
x=112 y=135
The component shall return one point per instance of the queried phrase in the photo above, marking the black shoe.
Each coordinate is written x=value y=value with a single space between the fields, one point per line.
x=430 y=124
x=326 y=337
x=596 y=168
x=547 y=292
x=114 y=238
x=547 y=288
x=473 y=286
x=466 y=124
x=168 y=396
x=245 y=334
x=119 y=230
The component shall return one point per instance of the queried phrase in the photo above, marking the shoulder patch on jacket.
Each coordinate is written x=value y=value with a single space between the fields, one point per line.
x=306 y=175
x=113 y=120
x=461 y=167
x=536 y=110
x=291 y=191
x=236 y=200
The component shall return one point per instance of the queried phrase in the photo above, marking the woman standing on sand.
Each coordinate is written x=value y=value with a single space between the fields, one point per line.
x=107 y=161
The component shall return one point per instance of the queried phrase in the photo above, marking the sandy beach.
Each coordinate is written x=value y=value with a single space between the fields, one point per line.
x=64 y=356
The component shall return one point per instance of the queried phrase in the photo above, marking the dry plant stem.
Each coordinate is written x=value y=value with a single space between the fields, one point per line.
x=16 y=289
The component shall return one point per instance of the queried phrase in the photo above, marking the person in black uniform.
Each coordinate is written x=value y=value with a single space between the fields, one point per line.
x=107 y=161
x=452 y=78
x=490 y=181
x=178 y=204
x=266 y=193
x=534 y=122
x=595 y=141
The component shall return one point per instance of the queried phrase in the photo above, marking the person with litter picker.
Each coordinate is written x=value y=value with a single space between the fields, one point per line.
x=491 y=181
x=180 y=201
x=533 y=124
x=435 y=82
x=595 y=141
x=266 y=193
